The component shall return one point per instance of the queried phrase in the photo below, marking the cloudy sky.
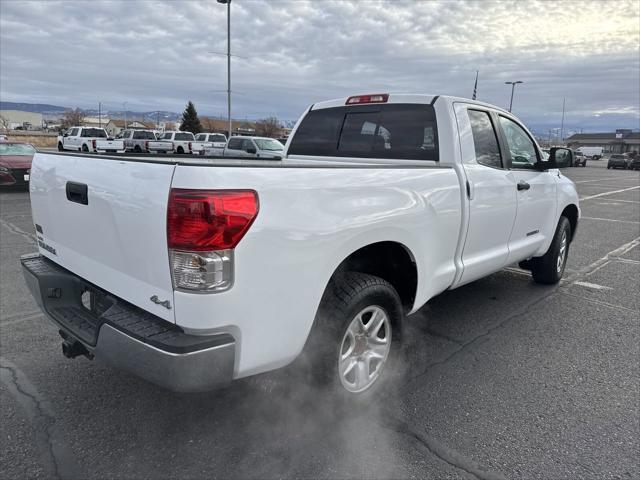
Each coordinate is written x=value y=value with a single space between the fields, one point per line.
x=157 y=55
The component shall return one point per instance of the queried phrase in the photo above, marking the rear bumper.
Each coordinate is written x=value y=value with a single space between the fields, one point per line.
x=127 y=336
x=15 y=176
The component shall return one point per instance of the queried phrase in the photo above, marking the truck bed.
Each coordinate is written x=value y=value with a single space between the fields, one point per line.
x=220 y=161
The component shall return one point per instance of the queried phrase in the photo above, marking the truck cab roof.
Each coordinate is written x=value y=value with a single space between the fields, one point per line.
x=387 y=98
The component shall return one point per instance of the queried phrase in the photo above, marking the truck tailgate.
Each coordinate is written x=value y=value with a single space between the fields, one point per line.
x=114 y=236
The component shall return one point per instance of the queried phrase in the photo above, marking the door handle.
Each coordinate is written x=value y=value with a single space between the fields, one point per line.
x=522 y=185
x=77 y=193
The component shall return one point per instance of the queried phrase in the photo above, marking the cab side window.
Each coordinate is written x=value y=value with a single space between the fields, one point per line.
x=235 y=144
x=485 y=139
x=521 y=147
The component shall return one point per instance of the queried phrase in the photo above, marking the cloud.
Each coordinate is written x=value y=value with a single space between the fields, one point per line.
x=157 y=55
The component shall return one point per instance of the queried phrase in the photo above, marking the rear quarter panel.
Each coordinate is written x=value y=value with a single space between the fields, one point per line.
x=310 y=220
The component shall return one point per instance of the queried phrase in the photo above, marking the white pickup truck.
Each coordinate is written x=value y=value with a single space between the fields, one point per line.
x=182 y=141
x=89 y=139
x=192 y=274
x=209 y=141
x=144 y=141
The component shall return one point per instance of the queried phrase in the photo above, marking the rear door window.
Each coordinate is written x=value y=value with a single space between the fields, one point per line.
x=392 y=131
x=485 y=139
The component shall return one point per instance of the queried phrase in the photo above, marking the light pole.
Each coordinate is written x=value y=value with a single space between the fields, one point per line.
x=562 y=124
x=100 y=114
x=124 y=105
x=228 y=3
x=513 y=87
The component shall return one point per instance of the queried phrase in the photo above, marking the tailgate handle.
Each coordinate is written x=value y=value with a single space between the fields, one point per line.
x=77 y=192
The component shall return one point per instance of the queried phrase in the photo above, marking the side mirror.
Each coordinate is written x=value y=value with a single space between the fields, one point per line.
x=559 y=158
x=251 y=150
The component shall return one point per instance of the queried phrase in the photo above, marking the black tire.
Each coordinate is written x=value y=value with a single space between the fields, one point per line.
x=60 y=147
x=85 y=148
x=180 y=150
x=545 y=269
x=346 y=296
x=137 y=149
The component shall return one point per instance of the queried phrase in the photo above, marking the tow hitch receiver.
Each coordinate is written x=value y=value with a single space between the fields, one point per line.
x=72 y=348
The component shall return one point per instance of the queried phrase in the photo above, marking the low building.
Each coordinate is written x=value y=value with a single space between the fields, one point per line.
x=19 y=120
x=620 y=141
x=114 y=127
x=217 y=125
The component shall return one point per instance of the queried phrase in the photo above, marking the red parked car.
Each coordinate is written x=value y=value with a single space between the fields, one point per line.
x=15 y=163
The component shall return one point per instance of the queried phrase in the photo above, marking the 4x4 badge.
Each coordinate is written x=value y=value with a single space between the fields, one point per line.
x=165 y=303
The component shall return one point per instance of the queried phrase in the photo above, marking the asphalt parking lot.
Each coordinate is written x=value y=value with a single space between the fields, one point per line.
x=505 y=379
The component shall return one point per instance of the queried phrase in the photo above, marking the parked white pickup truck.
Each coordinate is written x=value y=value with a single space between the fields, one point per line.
x=89 y=139
x=144 y=141
x=209 y=141
x=182 y=141
x=192 y=274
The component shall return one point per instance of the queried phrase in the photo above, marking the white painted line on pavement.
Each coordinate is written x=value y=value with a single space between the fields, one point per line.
x=594 y=286
x=608 y=193
x=609 y=220
x=614 y=201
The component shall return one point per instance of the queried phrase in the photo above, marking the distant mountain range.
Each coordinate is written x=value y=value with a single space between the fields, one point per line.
x=32 y=107
x=55 y=111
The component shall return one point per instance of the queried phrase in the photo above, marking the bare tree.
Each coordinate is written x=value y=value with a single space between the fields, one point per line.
x=269 y=127
x=208 y=124
x=4 y=123
x=71 y=118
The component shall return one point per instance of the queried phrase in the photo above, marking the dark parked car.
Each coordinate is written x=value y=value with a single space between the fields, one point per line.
x=634 y=164
x=15 y=163
x=579 y=159
x=618 y=160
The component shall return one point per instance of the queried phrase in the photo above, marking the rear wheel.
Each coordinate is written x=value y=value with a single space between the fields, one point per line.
x=85 y=148
x=137 y=149
x=180 y=150
x=60 y=147
x=548 y=269
x=356 y=335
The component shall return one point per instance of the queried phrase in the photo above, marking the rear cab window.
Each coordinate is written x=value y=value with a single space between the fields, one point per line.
x=93 y=133
x=389 y=131
x=184 y=136
x=143 y=135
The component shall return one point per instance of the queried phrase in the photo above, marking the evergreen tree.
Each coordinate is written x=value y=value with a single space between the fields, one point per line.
x=190 y=120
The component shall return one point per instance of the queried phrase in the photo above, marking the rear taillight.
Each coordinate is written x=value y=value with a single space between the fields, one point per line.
x=203 y=228
x=372 y=98
x=94 y=142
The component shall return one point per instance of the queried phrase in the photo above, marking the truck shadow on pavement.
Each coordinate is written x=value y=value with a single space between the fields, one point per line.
x=279 y=424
